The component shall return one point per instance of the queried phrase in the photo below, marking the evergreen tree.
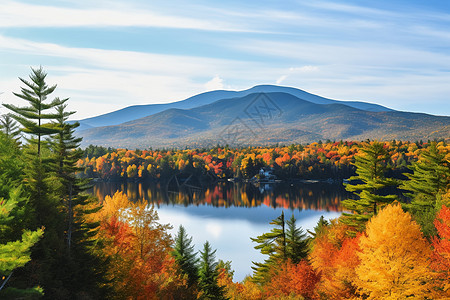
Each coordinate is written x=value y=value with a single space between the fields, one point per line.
x=65 y=147
x=32 y=117
x=296 y=241
x=185 y=256
x=370 y=187
x=9 y=127
x=279 y=244
x=14 y=254
x=428 y=182
x=320 y=228
x=78 y=279
x=208 y=275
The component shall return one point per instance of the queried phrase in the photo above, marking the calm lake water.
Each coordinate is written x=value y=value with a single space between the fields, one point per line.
x=228 y=214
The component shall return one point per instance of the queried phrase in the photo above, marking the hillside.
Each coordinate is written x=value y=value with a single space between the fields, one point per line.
x=266 y=118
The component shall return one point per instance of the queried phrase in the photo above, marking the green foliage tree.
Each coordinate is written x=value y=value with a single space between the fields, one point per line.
x=428 y=182
x=371 y=185
x=296 y=242
x=32 y=117
x=208 y=275
x=14 y=254
x=62 y=261
x=185 y=256
x=10 y=127
x=281 y=243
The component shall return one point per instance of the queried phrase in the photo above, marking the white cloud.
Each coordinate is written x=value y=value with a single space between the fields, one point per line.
x=281 y=79
x=16 y=14
x=214 y=84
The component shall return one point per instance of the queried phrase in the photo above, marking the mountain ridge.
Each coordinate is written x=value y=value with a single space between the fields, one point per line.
x=266 y=118
x=133 y=112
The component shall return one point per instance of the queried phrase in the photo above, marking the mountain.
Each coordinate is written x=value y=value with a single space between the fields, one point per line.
x=139 y=111
x=266 y=118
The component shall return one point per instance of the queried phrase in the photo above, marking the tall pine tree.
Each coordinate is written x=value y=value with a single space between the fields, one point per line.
x=208 y=275
x=429 y=180
x=185 y=256
x=33 y=117
x=280 y=244
x=370 y=187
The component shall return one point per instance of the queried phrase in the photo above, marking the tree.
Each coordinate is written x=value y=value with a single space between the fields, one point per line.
x=65 y=147
x=10 y=127
x=32 y=117
x=370 y=169
x=138 y=248
x=273 y=244
x=441 y=250
x=208 y=275
x=296 y=241
x=15 y=254
x=395 y=258
x=279 y=244
x=185 y=256
x=428 y=182
x=334 y=256
x=292 y=279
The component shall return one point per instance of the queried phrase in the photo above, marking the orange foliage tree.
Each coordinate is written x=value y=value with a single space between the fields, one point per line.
x=138 y=248
x=293 y=280
x=334 y=256
x=441 y=253
x=395 y=258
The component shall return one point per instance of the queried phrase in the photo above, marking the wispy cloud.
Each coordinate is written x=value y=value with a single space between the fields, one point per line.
x=16 y=14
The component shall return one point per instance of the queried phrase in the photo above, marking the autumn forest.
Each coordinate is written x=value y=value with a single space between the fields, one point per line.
x=57 y=241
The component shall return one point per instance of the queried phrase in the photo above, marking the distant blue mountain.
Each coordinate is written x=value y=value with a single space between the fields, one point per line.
x=266 y=118
x=139 y=111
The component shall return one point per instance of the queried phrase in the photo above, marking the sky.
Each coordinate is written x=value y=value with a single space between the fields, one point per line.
x=105 y=55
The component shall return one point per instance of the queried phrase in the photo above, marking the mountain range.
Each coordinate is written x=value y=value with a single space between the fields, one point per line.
x=264 y=114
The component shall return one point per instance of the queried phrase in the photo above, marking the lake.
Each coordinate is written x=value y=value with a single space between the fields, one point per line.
x=227 y=214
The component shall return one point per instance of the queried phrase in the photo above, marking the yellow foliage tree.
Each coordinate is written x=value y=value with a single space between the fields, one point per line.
x=395 y=258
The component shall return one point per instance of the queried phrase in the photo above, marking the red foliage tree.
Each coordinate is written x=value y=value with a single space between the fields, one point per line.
x=292 y=279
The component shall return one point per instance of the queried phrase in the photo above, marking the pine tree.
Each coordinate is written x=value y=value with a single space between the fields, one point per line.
x=65 y=147
x=370 y=187
x=32 y=117
x=296 y=241
x=428 y=182
x=208 y=275
x=185 y=256
x=10 y=128
x=279 y=244
x=14 y=254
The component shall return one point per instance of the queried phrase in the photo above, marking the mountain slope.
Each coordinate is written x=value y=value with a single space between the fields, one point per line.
x=266 y=118
x=139 y=111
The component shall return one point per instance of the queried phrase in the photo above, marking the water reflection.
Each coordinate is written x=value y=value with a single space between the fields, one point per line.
x=228 y=214
x=317 y=196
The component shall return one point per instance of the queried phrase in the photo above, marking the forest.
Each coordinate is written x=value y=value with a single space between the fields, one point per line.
x=58 y=242
x=328 y=160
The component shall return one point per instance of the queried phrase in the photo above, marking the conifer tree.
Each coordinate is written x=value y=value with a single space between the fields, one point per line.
x=65 y=147
x=370 y=187
x=208 y=275
x=32 y=117
x=9 y=127
x=185 y=256
x=14 y=254
x=296 y=241
x=428 y=182
x=279 y=244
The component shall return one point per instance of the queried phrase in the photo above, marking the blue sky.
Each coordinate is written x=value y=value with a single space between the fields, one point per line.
x=106 y=55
